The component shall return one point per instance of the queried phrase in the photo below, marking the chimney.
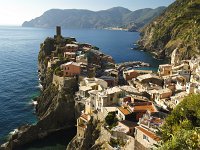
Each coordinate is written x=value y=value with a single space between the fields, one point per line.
x=58 y=31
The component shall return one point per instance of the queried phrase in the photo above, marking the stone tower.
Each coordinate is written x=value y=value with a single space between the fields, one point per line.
x=58 y=31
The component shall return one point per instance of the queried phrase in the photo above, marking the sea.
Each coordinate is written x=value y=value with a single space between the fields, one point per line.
x=19 y=47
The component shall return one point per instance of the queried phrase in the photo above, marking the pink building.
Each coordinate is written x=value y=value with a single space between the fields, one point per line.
x=71 y=69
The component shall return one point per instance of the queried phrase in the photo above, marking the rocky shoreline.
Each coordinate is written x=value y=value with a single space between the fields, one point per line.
x=51 y=109
x=56 y=107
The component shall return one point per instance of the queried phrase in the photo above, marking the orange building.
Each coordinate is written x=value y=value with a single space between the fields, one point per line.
x=71 y=69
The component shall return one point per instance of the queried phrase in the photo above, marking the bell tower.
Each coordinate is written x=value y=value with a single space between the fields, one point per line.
x=58 y=31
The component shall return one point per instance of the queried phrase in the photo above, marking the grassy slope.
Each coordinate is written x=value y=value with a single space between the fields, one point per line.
x=178 y=26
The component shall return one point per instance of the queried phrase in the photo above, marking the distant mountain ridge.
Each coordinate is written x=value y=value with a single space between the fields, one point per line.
x=80 y=18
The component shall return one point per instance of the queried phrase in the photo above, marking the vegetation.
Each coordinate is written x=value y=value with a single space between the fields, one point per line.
x=111 y=119
x=182 y=127
x=58 y=72
x=46 y=48
x=116 y=143
x=177 y=27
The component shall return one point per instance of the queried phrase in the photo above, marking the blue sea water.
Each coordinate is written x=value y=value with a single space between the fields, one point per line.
x=19 y=48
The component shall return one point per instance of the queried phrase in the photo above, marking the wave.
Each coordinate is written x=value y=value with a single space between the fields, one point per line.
x=33 y=102
x=13 y=132
x=40 y=86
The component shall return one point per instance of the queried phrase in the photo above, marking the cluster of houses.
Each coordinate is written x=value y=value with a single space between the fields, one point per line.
x=76 y=57
x=80 y=59
x=142 y=104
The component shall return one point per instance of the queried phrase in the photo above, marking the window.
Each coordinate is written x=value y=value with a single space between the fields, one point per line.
x=111 y=99
x=145 y=138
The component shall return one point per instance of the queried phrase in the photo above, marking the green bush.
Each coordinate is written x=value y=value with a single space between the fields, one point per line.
x=111 y=119
x=181 y=128
x=58 y=72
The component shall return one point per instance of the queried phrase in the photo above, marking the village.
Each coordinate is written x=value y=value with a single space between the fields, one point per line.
x=130 y=103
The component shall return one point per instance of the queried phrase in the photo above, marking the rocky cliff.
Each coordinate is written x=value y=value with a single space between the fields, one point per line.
x=177 y=27
x=91 y=134
x=96 y=137
x=55 y=109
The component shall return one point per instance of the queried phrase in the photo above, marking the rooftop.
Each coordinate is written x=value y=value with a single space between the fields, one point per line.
x=85 y=88
x=130 y=89
x=125 y=111
x=143 y=107
x=71 y=63
x=93 y=92
x=119 y=128
x=139 y=71
x=166 y=90
x=82 y=126
x=85 y=117
x=71 y=45
x=113 y=90
x=147 y=76
x=152 y=91
x=165 y=65
x=70 y=53
x=149 y=133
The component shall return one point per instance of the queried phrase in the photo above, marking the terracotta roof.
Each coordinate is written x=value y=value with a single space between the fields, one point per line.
x=84 y=116
x=142 y=107
x=82 y=126
x=125 y=111
x=149 y=133
x=145 y=108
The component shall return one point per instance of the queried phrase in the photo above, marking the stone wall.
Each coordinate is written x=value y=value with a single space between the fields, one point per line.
x=139 y=146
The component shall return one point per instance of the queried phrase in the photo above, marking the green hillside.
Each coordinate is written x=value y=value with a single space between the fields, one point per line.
x=178 y=27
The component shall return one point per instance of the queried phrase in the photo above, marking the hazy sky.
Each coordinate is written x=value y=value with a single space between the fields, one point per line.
x=15 y=12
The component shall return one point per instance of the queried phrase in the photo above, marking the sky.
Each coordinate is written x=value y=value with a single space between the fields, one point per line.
x=15 y=12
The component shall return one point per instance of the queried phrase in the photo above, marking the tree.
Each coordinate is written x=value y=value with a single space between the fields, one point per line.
x=111 y=119
x=181 y=128
x=48 y=46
